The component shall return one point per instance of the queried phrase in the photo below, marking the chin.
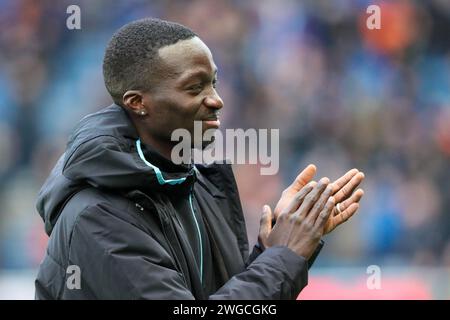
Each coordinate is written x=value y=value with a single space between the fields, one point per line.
x=204 y=144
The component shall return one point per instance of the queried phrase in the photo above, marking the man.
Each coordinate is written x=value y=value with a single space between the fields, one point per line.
x=131 y=224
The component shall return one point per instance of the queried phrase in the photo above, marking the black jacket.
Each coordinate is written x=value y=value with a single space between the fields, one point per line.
x=109 y=209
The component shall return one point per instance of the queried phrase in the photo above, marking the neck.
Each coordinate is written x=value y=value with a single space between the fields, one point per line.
x=163 y=148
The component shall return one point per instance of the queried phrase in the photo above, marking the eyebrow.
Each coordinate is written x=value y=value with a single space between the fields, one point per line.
x=193 y=74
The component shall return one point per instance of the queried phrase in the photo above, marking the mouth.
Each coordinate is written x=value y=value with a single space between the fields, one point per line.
x=212 y=121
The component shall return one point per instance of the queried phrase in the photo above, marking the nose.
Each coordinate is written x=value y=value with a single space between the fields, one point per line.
x=214 y=101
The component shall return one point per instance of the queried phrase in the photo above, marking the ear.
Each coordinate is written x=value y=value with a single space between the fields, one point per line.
x=133 y=100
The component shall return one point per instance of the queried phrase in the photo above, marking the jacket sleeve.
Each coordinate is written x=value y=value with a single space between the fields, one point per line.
x=118 y=260
x=277 y=273
x=257 y=250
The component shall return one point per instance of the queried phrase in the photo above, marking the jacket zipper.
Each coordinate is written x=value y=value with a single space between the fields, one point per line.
x=199 y=235
x=163 y=181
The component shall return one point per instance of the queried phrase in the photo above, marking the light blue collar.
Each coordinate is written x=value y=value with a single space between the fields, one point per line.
x=158 y=173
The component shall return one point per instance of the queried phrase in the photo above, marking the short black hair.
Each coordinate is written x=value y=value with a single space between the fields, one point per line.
x=131 y=54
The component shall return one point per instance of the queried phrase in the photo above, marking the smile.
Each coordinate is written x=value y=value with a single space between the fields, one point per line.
x=213 y=122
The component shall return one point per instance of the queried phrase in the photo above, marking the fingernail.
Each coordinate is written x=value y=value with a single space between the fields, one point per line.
x=325 y=180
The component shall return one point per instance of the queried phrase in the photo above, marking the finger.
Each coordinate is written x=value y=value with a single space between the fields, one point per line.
x=325 y=213
x=320 y=204
x=299 y=197
x=355 y=198
x=304 y=177
x=312 y=198
x=349 y=187
x=345 y=215
x=265 y=226
x=342 y=181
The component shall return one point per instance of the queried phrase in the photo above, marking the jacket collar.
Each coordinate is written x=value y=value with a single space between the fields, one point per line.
x=104 y=151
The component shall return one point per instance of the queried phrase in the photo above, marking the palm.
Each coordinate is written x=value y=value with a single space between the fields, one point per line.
x=288 y=194
x=330 y=225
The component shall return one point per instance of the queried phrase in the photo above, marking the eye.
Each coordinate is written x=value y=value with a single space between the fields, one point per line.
x=214 y=83
x=197 y=88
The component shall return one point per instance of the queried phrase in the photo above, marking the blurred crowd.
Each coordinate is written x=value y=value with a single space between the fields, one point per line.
x=342 y=95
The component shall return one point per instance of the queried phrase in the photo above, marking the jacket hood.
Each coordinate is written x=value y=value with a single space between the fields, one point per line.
x=104 y=151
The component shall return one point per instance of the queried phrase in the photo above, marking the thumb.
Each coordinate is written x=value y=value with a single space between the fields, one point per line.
x=304 y=177
x=265 y=225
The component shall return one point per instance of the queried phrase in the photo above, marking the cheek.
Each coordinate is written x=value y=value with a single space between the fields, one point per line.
x=182 y=107
x=173 y=113
x=177 y=102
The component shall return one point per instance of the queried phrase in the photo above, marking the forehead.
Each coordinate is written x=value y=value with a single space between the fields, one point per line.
x=186 y=56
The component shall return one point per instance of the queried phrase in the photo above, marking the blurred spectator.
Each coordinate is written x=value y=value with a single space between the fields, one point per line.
x=341 y=95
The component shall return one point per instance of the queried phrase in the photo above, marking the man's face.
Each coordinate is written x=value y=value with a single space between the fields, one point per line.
x=184 y=91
